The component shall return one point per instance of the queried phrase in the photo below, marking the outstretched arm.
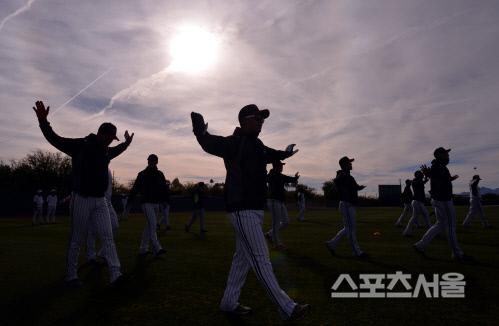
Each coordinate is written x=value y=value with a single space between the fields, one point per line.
x=65 y=145
x=118 y=149
x=215 y=145
x=272 y=155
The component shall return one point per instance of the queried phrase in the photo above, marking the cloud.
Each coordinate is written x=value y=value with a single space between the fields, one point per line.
x=385 y=82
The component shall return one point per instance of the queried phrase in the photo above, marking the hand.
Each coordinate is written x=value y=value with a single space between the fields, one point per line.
x=128 y=137
x=425 y=169
x=290 y=150
x=297 y=175
x=198 y=126
x=361 y=187
x=41 y=112
x=454 y=177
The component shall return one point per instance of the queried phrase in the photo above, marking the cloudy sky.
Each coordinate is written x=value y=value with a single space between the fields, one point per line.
x=385 y=81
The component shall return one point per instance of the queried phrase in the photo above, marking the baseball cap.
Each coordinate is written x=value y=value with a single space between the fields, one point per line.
x=345 y=160
x=440 y=150
x=252 y=110
x=152 y=157
x=476 y=176
x=107 y=128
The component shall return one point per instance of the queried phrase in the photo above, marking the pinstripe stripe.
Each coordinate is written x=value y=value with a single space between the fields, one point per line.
x=256 y=266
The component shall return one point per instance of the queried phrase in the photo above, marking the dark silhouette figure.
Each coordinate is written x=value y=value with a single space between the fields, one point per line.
x=245 y=158
x=475 y=204
x=348 y=193
x=277 y=202
x=198 y=194
x=151 y=183
x=406 y=198
x=418 y=203
x=441 y=195
x=90 y=159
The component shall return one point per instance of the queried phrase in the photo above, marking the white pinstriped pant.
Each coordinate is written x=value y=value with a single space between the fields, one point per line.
x=406 y=212
x=475 y=208
x=280 y=219
x=301 y=210
x=91 y=211
x=197 y=212
x=38 y=215
x=149 y=233
x=51 y=213
x=446 y=221
x=92 y=230
x=165 y=210
x=418 y=208
x=348 y=213
x=252 y=252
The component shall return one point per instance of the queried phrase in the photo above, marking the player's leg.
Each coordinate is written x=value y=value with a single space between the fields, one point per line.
x=91 y=232
x=424 y=212
x=194 y=216
x=104 y=230
x=483 y=219
x=351 y=229
x=450 y=211
x=248 y=226
x=150 y=229
x=81 y=208
x=436 y=228
x=276 y=221
x=283 y=215
x=415 y=212
x=237 y=277
x=202 y=216
x=469 y=216
x=402 y=216
x=341 y=233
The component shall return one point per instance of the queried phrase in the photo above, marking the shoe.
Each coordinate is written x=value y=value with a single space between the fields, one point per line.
x=268 y=236
x=363 y=256
x=300 y=311
x=74 y=283
x=144 y=254
x=463 y=259
x=119 y=281
x=160 y=252
x=331 y=251
x=418 y=250
x=240 y=310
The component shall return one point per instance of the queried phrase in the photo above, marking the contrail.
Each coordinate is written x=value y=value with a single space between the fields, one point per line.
x=15 y=13
x=84 y=89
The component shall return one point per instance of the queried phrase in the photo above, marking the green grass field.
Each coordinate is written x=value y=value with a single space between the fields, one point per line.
x=185 y=286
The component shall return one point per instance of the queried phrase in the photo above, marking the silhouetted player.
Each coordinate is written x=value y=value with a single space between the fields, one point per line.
x=198 y=209
x=90 y=159
x=441 y=194
x=418 y=203
x=245 y=158
x=151 y=183
x=348 y=191
x=406 y=200
x=475 y=204
x=277 y=202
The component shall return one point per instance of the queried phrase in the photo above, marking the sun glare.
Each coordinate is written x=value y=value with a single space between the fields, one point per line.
x=193 y=49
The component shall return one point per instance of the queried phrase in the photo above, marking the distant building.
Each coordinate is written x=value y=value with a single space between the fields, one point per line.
x=389 y=194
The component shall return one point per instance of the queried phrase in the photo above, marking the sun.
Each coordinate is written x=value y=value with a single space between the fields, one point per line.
x=193 y=49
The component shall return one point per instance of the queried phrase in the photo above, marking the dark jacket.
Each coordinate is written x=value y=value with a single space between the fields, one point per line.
x=151 y=183
x=474 y=188
x=407 y=195
x=347 y=187
x=276 y=182
x=418 y=188
x=89 y=160
x=245 y=158
x=441 y=182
